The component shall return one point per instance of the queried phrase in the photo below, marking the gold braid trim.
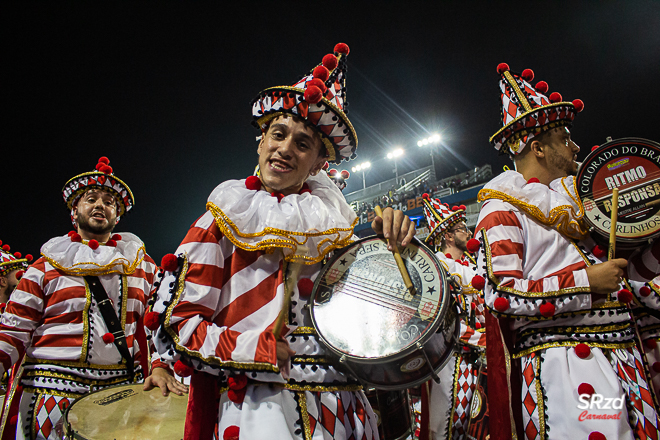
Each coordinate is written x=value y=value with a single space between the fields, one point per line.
x=80 y=380
x=571 y=344
x=58 y=393
x=288 y=239
x=304 y=415
x=540 y=399
x=563 y=218
x=310 y=331
x=29 y=361
x=128 y=267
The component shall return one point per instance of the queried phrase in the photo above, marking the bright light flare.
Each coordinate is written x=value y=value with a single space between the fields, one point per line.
x=362 y=166
x=395 y=153
x=434 y=139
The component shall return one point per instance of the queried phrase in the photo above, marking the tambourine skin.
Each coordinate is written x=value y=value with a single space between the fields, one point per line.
x=633 y=166
x=373 y=328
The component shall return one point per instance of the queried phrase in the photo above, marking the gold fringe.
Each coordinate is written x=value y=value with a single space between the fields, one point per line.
x=100 y=269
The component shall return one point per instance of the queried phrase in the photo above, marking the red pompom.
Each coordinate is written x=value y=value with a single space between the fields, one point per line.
x=182 y=370
x=345 y=174
x=237 y=382
x=326 y=166
x=448 y=255
x=598 y=252
x=501 y=304
x=93 y=244
x=651 y=343
x=18 y=254
x=6 y=248
x=116 y=237
x=3 y=306
x=582 y=350
x=169 y=263
x=104 y=160
x=71 y=233
x=321 y=72
x=466 y=348
x=152 y=321
x=595 y=147
x=473 y=245
x=426 y=196
x=578 y=104
x=473 y=305
x=478 y=282
x=313 y=95
x=305 y=189
x=76 y=238
x=342 y=48
x=645 y=291
x=111 y=243
x=542 y=87
x=547 y=309
x=597 y=436
x=477 y=325
x=13 y=420
x=0 y=242
x=278 y=195
x=108 y=338
x=527 y=75
x=624 y=296
x=236 y=396
x=318 y=83
x=533 y=180
x=330 y=61
x=305 y=287
x=463 y=207
x=454 y=208
x=656 y=367
x=333 y=172
x=253 y=183
x=29 y=257
x=231 y=433
x=502 y=67
x=19 y=274
x=586 y=388
x=555 y=97
x=99 y=166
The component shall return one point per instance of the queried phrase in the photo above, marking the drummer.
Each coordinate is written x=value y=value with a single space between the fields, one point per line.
x=561 y=310
x=258 y=237
x=449 y=401
x=55 y=317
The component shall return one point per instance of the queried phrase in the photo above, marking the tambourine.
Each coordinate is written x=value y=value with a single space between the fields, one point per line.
x=633 y=166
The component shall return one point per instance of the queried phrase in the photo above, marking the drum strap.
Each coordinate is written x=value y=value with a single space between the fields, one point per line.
x=111 y=321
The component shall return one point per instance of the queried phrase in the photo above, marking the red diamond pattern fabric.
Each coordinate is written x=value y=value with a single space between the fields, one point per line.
x=529 y=397
x=342 y=415
x=48 y=411
x=633 y=381
x=465 y=378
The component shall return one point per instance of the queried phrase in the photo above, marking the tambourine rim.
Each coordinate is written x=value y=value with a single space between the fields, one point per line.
x=404 y=351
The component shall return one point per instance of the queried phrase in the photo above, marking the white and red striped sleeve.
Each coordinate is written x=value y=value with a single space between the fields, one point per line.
x=22 y=315
x=564 y=289
x=644 y=266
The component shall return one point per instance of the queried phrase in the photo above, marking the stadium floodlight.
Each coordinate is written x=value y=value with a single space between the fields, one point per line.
x=393 y=155
x=362 y=167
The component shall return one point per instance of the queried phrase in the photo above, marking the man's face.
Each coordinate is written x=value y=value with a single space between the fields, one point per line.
x=9 y=283
x=461 y=235
x=96 y=212
x=562 y=153
x=288 y=153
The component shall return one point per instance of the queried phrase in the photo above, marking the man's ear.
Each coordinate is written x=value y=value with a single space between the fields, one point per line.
x=537 y=148
x=75 y=211
x=261 y=142
x=4 y=282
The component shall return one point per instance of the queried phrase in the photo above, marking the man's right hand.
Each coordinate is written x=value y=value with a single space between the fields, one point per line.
x=606 y=277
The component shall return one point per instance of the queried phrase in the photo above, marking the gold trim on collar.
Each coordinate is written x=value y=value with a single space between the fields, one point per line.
x=106 y=269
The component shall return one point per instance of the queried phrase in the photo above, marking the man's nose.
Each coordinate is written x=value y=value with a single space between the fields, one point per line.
x=575 y=147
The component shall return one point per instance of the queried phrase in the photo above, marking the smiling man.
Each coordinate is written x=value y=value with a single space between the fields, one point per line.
x=261 y=239
x=59 y=325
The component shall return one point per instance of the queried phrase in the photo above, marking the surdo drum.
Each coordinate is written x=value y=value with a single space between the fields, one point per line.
x=633 y=166
x=375 y=329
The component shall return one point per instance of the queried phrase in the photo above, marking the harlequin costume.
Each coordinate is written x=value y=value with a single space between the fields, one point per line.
x=547 y=344
x=224 y=289
x=54 y=321
x=10 y=262
x=464 y=375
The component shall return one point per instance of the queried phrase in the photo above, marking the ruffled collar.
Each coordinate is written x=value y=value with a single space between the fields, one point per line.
x=79 y=259
x=556 y=205
x=305 y=226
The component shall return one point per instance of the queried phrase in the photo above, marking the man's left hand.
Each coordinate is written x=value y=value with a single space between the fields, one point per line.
x=161 y=378
x=395 y=226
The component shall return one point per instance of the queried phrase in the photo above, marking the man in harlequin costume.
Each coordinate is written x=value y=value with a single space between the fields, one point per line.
x=52 y=328
x=560 y=328
x=262 y=238
x=12 y=268
x=450 y=400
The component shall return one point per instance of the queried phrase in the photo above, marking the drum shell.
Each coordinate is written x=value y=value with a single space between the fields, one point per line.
x=393 y=411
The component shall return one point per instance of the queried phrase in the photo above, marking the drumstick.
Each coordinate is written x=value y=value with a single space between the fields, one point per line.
x=615 y=214
x=399 y=260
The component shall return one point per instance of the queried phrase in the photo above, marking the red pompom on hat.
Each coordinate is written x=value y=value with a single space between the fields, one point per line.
x=473 y=245
x=108 y=338
x=321 y=72
x=586 y=388
x=656 y=367
x=502 y=67
x=578 y=104
x=253 y=183
x=645 y=291
x=93 y=244
x=152 y=321
x=501 y=304
x=305 y=287
x=454 y=208
x=597 y=436
x=624 y=296
x=595 y=147
x=582 y=350
x=98 y=166
x=76 y=238
x=463 y=207
x=313 y=95
x=342 y=48
x=542 y=87
x=169 y=262
x=547 y=309
x=598 y=252
x=182 y=369
x=478 y=282
x=426 y=196
x=106 y=169
x=651 y=343
x=104 y=160
x=555 y=97
x=318 y=83
x=527 y=75
x=237 y=382
x=116 y=237
x=29 y=257
x=111 y=243
x=18 y=254
x=231 y=433
x=533 y=180
x=6 y=248
x=330 y=61
x=19 y=274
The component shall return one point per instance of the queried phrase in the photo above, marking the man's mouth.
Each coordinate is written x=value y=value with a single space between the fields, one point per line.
x=98 y=216
x=279 y=166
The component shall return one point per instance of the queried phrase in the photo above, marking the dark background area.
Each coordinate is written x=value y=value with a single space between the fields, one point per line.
x=164 y=90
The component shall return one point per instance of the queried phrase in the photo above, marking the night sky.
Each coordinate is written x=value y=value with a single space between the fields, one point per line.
x=164 y=90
